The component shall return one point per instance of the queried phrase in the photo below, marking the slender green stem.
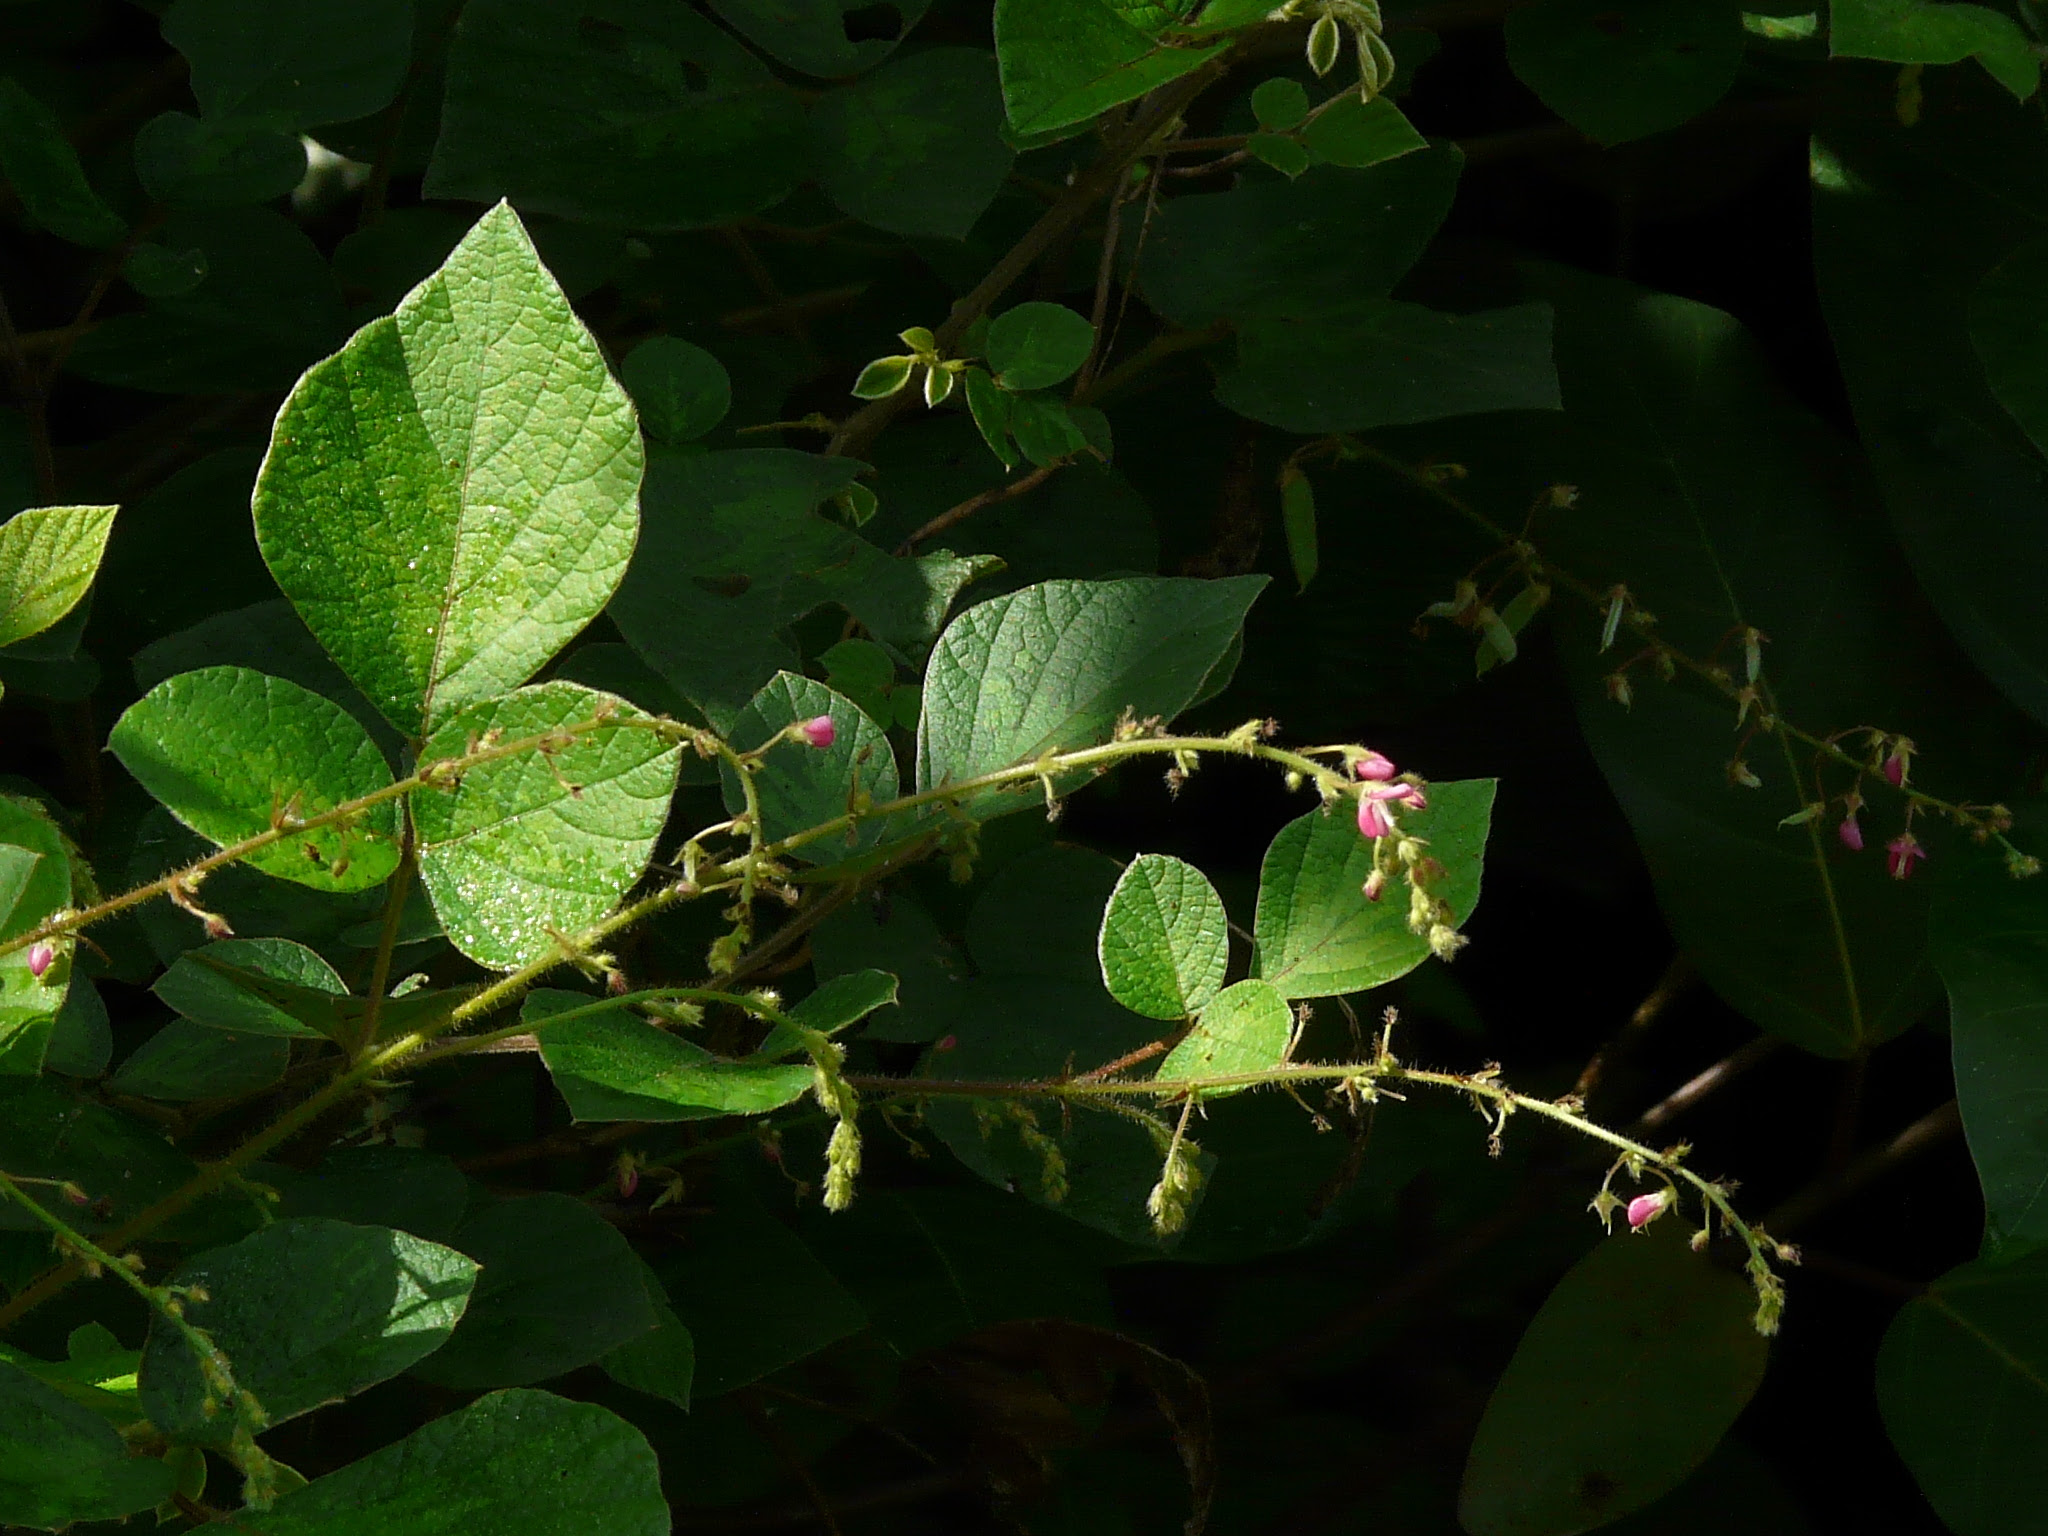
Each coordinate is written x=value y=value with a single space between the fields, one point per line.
x=399 y=888
x=89 y=1255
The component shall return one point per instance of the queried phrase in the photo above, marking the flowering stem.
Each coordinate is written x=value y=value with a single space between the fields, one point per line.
x=1364 y=1080
x=1984 y=825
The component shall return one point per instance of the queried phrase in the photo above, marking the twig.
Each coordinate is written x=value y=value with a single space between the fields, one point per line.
x=1718 y=1076
x=1023 y=485
x=1677 y=975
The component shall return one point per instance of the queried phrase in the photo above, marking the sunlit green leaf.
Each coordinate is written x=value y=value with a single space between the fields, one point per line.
x=48 y=557
x=532 y=847
x=1317 y=934
x=233 y=754
x=1165 y=940
x=454 y=495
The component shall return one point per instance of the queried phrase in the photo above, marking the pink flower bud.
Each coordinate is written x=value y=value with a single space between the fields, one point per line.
x=950 y=1042
x=1375 y=885
x=1897 y=762
x=40 y=958
x=1373 y=820
x=1850 y=833
x=1644 y=1208
x=819 y=731
x=1374 y=766
x=75 y=1196
x=1901 y=854
x=629 y=1180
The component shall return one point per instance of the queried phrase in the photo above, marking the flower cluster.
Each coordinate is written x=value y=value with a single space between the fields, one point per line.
x=1383 y=792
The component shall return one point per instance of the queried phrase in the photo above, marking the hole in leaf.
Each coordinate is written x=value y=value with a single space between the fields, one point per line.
x=881 y=22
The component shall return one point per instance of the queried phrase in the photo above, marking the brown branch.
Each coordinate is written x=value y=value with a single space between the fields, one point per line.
x=1021 y=486
x=1677 y=976
x=1718 y=1076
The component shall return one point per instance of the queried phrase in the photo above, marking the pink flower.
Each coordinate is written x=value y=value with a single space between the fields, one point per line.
x=40 y=958
x=1376 y=803
x=629 y=1180
x=819 y=731
x=1901 y=854
x=1645 y=1208
x=1375 y=885
x=1374 y=766
x=1898 y=761
x=1850 y=833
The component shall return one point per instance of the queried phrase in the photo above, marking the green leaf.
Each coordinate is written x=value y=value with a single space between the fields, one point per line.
x=1298 y=519
x=545 y=843
x=1046 y=431
x=1165 y=940
x=122 y=1165
x=733 y=552
x=1282 y=153
x=612 y=1065
x=158 y=272
x=1624 y=71
x=307 y=1312
x=1962 y=1380
x=1625 y=1381
x=931 y=1264
x=1017 y=1027
x=990 y=408
x=1037 y=345
x=1279 y=104
x=184 y=1062
x=295 y=66
x=1919 y=32
x=29 y=1003
x=233 y=753
x=1067 y=61
x=1990 y=943
x=915 y=147
x=1722 y=505
x=1356 y=134
x=192 y=163
x=516 y=1463
x=840 y=1001
x=43 y=168
x=799 y=785
x=81 y=1039
x=681 y=390
x=883 y=377
x=222 y=986
x=2008 y=322
x=1317 y=934
x=1294 y=249
x=1246 y=1027
x=454 y=495
x=61 y=1462
x=662 y=1363
x=1377 y=363
x=1053 y=667
x=630 y=112
x=897 y=937
x=753 y=1296
x=812 y=35
x=560 y=1288
x=1907 y=225
x=48 y=557
x=267 y=307
x=417 y=1192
